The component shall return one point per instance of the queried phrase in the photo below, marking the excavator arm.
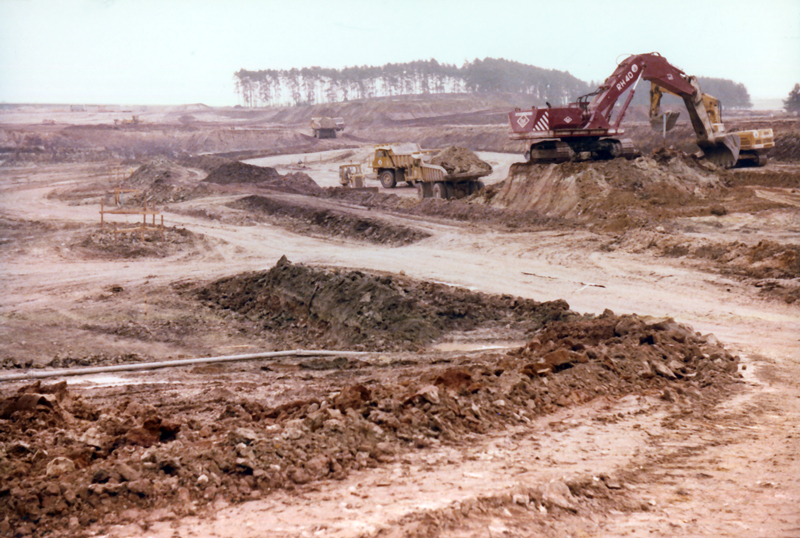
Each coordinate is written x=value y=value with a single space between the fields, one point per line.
x=705 y=114
x=659 y=119
x=718 y=146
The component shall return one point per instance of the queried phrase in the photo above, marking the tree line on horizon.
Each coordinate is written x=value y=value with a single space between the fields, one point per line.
x=319 y=85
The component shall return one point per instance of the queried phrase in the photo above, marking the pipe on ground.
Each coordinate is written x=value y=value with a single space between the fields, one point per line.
x=39 y=374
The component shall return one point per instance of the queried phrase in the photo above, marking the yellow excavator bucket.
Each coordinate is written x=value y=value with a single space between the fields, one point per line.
x=665 y=121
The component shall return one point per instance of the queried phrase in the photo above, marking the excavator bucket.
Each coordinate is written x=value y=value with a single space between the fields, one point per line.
x=658 y=122
x=723 y=152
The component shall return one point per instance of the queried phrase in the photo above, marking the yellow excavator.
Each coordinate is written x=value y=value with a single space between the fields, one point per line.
x=753 y=141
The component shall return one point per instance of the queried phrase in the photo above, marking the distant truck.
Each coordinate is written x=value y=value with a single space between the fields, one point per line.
x=125 y=122
x=325 y=127
x=393 y=163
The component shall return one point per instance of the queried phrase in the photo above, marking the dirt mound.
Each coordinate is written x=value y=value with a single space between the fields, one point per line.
x=237 y=172
x=765 y=178
x=263 y=176
x=632 y=347
x=204 y=162
x=158 y=168
x=311 y=220
x=352 y=309
x=461 y=163
x=775 y=267
x=161 y=181
x=787 y=147
x=613 y=190
x=102 y=244
x=298 y=182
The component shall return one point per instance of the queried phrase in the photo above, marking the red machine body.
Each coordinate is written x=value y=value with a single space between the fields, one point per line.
x=593 y=118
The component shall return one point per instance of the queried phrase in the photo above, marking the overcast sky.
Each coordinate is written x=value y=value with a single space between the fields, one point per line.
x=186 y=51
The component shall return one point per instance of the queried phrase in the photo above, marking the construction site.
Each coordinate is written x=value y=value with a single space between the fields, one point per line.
x=252 y=323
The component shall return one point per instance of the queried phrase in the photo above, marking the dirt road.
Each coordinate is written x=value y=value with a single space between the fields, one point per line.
x=668 y=467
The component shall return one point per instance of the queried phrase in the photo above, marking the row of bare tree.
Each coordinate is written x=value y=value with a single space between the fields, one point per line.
x=316 y=85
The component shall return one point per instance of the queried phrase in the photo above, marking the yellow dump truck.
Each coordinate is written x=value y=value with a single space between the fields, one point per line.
x=395 y=163
x=324 y=127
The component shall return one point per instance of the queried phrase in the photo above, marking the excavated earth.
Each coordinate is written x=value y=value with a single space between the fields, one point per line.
x=353 y=310
x=73 y=459
x=538 y=359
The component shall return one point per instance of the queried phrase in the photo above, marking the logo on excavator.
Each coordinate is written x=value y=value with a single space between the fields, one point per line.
x=523 y=119
x=628 y=78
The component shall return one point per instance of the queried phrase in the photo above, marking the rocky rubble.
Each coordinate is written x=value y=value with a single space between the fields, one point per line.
x=69 y=462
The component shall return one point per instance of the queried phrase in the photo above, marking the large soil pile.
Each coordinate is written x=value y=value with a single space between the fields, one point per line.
x=104 y=244
x=161 y=181
x=353 y=310
x=461 y=163
x=237 y=172
x=612 y=190
x=68 y=462
x=263 y=176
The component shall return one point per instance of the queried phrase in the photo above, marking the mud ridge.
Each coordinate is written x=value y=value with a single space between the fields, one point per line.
x=354 y=309
x=307 y=219
x=104 y=244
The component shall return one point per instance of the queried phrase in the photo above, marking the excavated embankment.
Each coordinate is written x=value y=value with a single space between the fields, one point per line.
x=343 y=309
x=235 y=432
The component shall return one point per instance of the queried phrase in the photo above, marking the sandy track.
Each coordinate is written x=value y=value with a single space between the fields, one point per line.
x=657 y=446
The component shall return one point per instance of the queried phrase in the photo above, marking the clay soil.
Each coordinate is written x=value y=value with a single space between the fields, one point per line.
x=579 y=349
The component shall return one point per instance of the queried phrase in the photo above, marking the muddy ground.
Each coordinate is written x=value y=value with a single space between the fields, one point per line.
x=583 y=349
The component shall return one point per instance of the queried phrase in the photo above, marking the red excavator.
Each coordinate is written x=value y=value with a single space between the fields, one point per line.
x=586 y=129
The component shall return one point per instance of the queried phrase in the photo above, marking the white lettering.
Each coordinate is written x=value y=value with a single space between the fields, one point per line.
x=626 y=79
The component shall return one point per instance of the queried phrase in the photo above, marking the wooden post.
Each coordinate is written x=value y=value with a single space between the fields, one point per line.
x=101 y=213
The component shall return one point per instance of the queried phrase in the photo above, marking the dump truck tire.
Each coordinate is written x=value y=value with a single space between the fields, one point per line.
x=440 y=191
x=387 y=179
x=475 y=186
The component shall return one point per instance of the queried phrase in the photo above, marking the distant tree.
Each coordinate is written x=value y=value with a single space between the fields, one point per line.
x=317 y=85
x=792 y=103
x=730 y=93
